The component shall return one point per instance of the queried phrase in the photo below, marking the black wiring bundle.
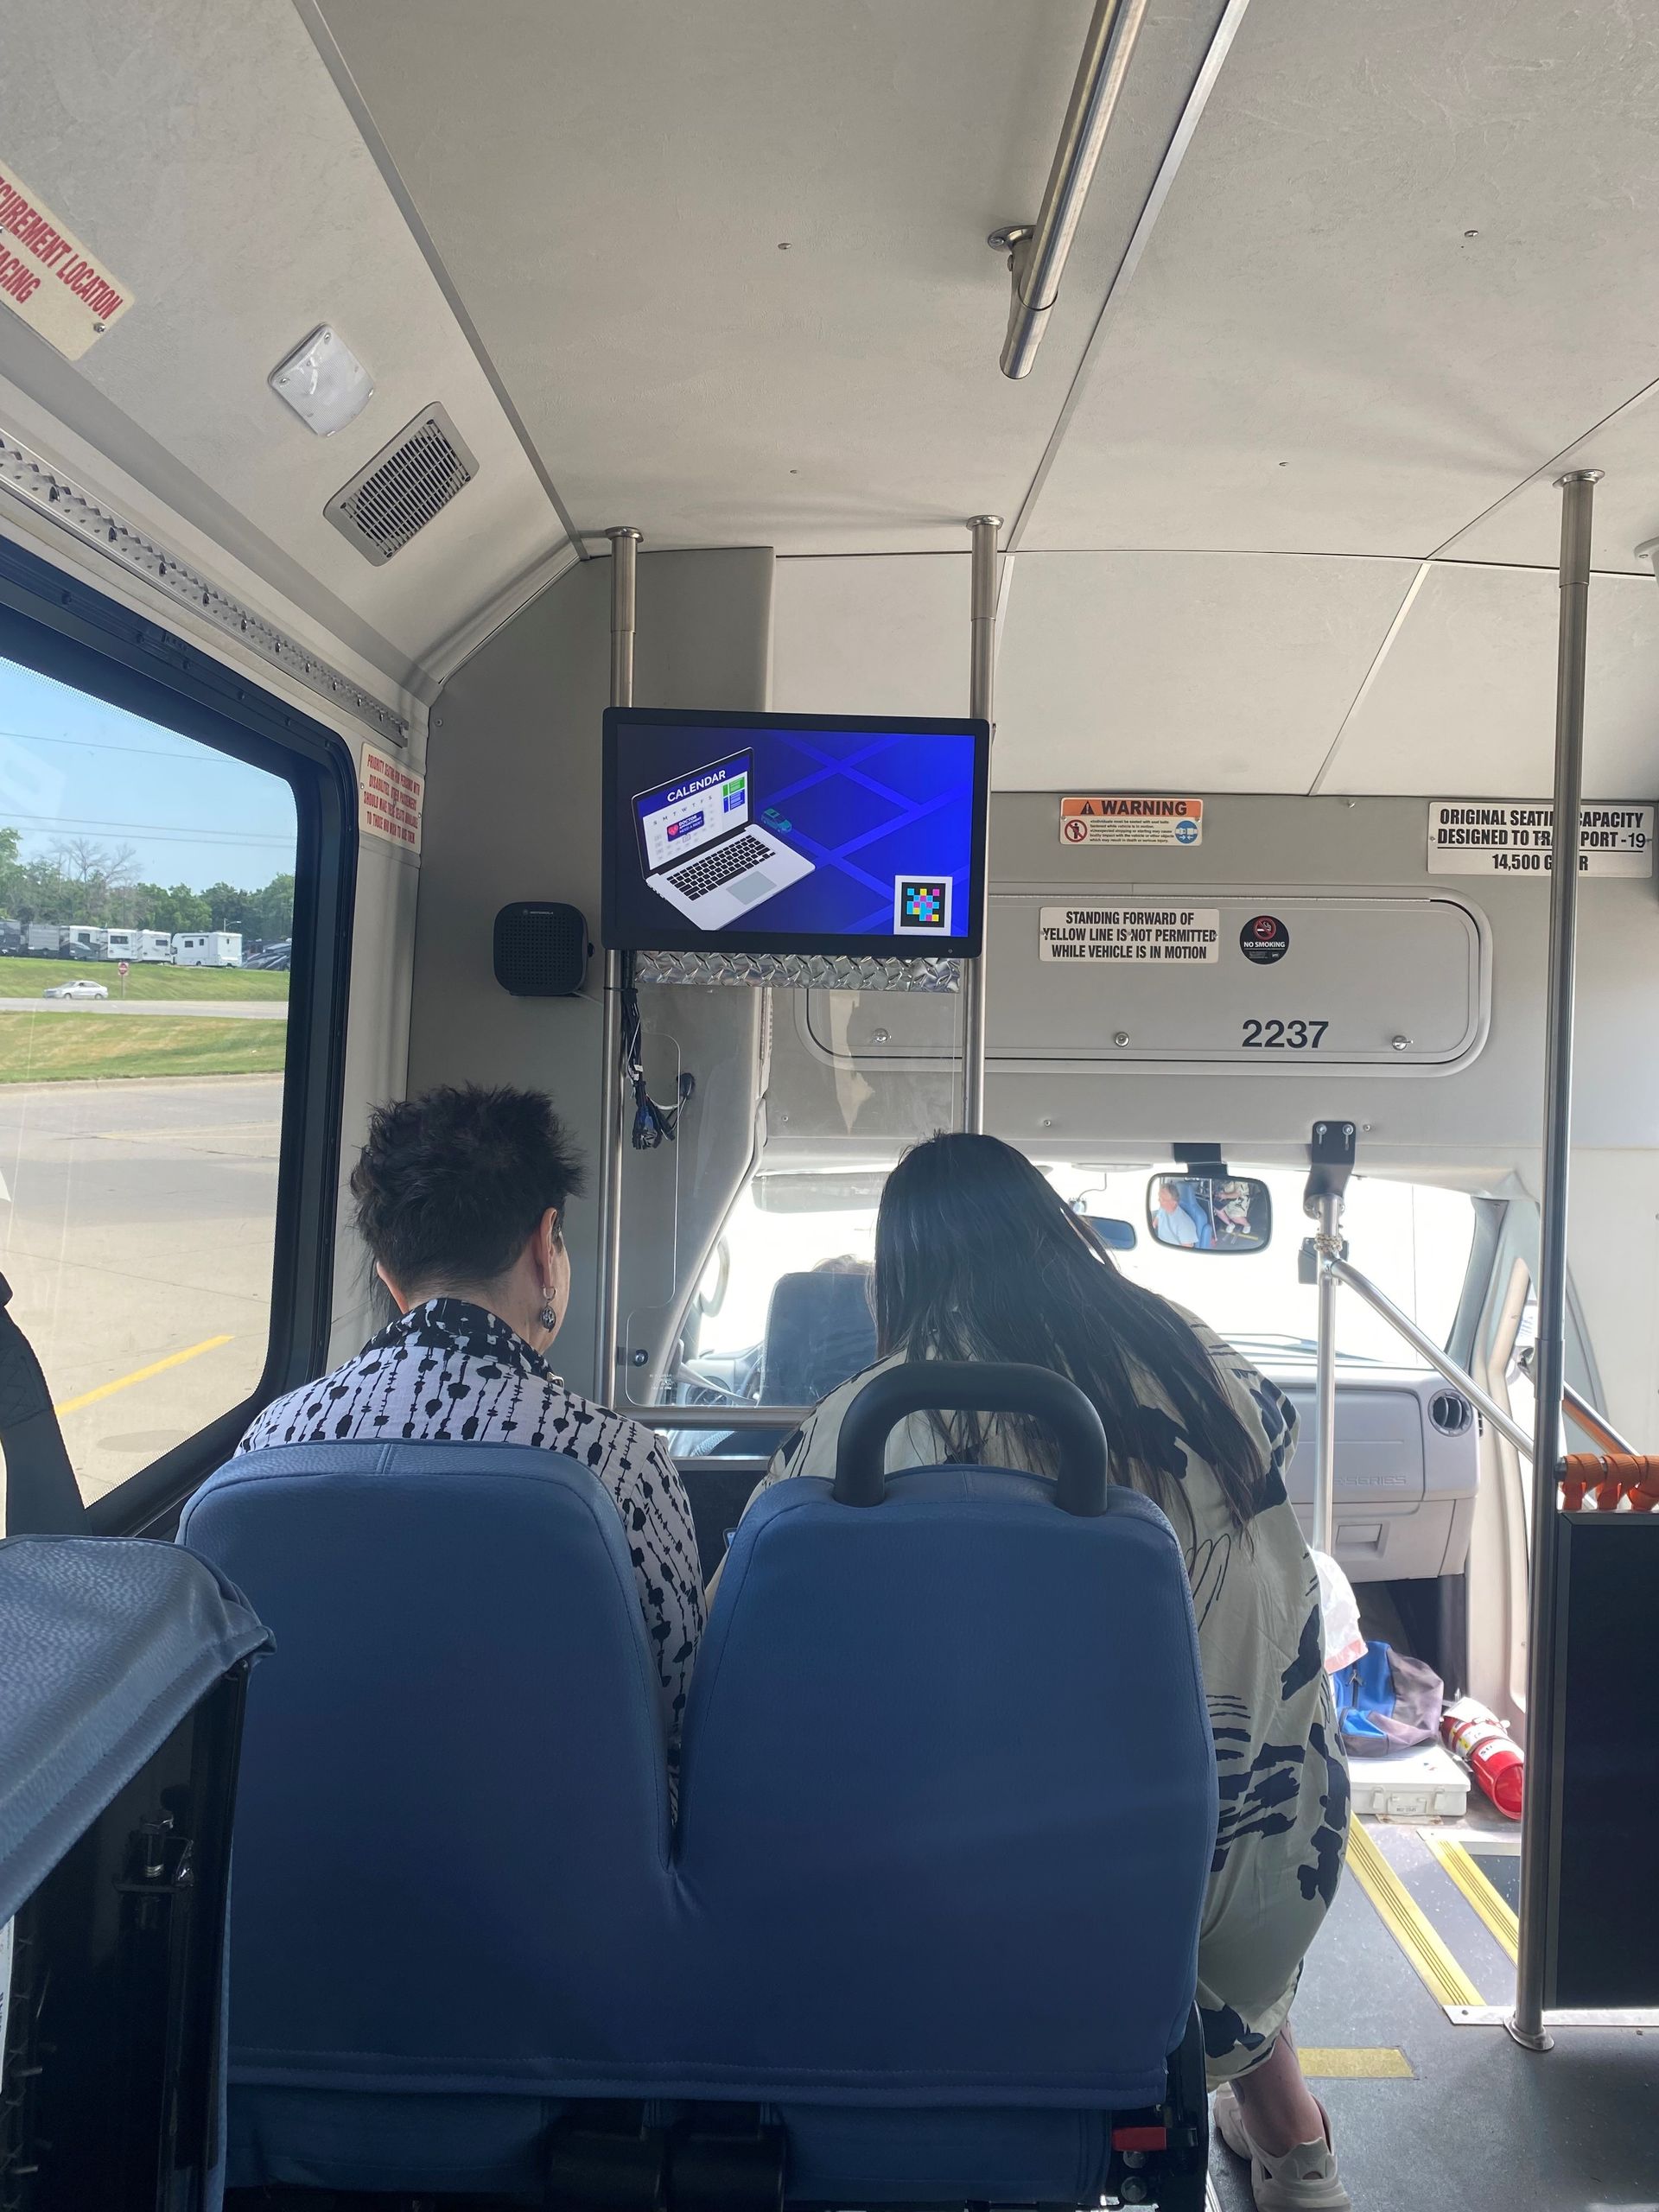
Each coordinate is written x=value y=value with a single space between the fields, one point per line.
x=651 y=1122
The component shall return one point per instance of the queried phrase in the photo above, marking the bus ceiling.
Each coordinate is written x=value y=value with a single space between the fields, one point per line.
x=1319 y=330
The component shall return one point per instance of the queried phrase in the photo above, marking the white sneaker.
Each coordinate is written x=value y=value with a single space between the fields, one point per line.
x=1304 y=2179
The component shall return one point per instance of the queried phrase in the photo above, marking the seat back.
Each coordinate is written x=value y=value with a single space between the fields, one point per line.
x=820 y=1330
x=453 y=1833
x=949 y=1797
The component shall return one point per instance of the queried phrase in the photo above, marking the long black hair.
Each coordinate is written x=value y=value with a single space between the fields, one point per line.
x=977 y=1257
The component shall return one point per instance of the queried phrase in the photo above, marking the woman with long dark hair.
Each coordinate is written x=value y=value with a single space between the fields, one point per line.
x=977 y=1258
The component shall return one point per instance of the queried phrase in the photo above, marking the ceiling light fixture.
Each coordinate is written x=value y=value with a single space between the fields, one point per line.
x=324 y=383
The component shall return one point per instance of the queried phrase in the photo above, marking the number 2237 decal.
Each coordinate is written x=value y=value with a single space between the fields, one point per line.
x=1286 y=1036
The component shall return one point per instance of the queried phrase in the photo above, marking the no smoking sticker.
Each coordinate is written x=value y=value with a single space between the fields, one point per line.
x=1264 y=939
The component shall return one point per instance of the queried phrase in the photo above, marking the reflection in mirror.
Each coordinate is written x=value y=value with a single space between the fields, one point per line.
x=1205 y=1213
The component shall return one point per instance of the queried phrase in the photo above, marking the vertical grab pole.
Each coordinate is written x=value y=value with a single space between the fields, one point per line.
x=625 y=546
x=982 y=686
x=1532 y=1969
x=1327 y=1242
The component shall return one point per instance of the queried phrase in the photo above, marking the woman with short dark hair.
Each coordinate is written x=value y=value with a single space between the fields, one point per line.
x=978 y=1258
x=461 y=1198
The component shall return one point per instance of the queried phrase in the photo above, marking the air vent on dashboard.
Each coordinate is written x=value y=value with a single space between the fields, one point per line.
x=403 y=486
x=1451 y=1413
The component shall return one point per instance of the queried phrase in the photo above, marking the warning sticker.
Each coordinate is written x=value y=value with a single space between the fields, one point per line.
x=1125 y=819
x=1168 y=937
x=1469 y=836
x=48 y=276
x=389 y=803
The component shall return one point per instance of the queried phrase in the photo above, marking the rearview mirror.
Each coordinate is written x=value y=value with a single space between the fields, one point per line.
x=1210 y=1213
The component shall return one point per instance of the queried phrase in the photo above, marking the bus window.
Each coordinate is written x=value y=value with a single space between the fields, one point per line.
x=147 y=885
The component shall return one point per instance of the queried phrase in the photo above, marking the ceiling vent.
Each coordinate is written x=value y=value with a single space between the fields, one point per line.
x=1451 y=1413
x=403 y=488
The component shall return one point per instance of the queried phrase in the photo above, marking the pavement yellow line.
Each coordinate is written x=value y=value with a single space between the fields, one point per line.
x=1407 y=1923
x=1324 y=2064
x=1489 y=1901
x=140 y=1375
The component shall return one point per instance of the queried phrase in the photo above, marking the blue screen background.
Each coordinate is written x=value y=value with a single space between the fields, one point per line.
x=862 y=805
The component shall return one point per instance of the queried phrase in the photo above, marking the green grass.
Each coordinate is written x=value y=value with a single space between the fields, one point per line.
x=27 y=979
x=60 y=1048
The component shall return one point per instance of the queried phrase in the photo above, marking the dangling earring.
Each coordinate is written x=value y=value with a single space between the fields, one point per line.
x=549 y=1316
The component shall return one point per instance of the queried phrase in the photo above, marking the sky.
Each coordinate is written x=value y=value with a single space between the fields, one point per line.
x=72 y=766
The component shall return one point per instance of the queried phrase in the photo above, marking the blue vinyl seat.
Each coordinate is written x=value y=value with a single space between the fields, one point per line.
x=947 y=1812
x=452 y=1898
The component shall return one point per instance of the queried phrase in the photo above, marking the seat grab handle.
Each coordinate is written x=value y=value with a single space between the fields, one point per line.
x=978 y=1387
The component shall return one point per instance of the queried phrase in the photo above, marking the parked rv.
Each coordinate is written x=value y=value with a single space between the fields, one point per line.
x=207 y=949
x=138 y=945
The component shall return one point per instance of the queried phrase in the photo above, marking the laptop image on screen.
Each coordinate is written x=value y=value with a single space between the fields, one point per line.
x=701 y=851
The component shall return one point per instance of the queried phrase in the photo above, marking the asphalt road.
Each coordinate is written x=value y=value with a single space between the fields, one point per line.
x=190 y=1009
x=139 y=1228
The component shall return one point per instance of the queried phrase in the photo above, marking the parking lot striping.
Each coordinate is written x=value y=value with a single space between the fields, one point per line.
x=1321 y=2063
x=1493 y=1907
x=140 y=1375
x=1407 y=1923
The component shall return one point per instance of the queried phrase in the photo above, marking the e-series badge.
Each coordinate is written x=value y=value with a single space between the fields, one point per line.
x=1264 y=939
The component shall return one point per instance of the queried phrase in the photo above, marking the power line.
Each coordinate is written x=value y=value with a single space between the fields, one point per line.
x=200 y=756
x=76 y=823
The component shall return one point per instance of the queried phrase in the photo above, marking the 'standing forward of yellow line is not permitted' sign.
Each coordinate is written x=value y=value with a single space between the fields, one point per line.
x=1160 y=937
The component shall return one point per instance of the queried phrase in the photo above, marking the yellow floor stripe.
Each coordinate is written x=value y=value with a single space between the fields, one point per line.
x=139 y=1375
x=1405 y=1920
x=1331 y=2065
x=1489 y=1902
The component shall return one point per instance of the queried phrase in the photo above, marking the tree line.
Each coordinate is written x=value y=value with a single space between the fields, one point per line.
x=78 y=879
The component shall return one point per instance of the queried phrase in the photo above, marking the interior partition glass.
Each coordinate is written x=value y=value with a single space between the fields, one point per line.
x=777 y=1177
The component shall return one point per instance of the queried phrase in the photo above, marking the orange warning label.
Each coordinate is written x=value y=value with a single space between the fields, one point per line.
x=1130 y=818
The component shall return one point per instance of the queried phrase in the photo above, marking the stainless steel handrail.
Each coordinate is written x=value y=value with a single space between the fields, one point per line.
x=1327 y=1242
x=625 y=546
x=1340 y=1271
x=1037 y=251
x=746 y=1415
x=981 y=682
x=1543 y=1714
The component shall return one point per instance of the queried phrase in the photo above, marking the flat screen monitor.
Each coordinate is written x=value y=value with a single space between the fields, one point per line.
x=793 y=833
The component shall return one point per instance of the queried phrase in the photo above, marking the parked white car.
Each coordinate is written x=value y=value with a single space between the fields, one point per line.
x=80 y=988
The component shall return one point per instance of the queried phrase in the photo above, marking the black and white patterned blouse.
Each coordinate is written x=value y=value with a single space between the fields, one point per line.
x=450 y=1372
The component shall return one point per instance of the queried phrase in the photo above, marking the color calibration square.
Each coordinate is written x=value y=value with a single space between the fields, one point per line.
x=921 y=905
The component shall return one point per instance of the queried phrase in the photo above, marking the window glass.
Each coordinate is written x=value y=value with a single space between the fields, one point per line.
x=146 y=911
x=1412 y=1239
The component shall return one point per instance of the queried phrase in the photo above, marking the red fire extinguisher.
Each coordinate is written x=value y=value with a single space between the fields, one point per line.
x=1480 y=1739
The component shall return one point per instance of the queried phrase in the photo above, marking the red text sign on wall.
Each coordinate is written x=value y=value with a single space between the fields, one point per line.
x=389 y=800
x=48 y=278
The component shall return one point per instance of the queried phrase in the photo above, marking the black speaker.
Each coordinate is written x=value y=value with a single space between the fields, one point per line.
x=541 y=948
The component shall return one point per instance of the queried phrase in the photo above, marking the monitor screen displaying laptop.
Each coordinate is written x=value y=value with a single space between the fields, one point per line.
x=792 y=833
